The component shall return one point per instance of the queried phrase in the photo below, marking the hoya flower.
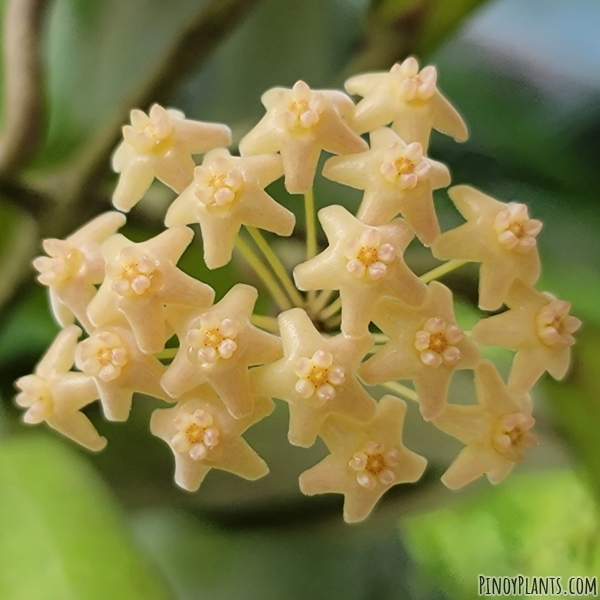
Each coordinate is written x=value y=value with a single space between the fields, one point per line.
x=316 y=377
x=160 y=144
x=228 y=192
x=204 y=436
x=397 y=179
x=74 y=265
x=56 y=395
x=299 y=124
x=496 y=431
x=141 y=279
x=539 y=327
x=217 y=345
x=112 y=357
x=364 y=263
x=365 y=460
x=500 y=236
x=407 y=98
x=426 y=346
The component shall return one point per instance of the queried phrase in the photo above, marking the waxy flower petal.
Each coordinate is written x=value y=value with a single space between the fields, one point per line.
x=160 y=145
x=112 y=357
x=204 y=436
x=500 y=236
x=397 y=179
x=228 y=192
x=316 y=376
x=496 y=431
x=540 y=329
x=141 y=279
x=426 y=346
x=74 y=265
x=299 y=124
x=407 y=98
x=364 y=263
x=56 y=395
x=217 y=345
x=366 y=460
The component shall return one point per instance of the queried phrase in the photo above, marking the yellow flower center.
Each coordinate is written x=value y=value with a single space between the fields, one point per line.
x=511 y=436
x=436 y=342
x=373 y=464
x=367 y=256
x=555 y=325
x=211 y=338
x=197 y=434
x=62 y=263
x=103 y=355
x=412 y=85
x=133 y=273
x=514 y=228
x=318 y=377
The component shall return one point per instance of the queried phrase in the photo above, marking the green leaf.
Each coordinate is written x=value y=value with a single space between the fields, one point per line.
x=541 y=524
x=62 y=538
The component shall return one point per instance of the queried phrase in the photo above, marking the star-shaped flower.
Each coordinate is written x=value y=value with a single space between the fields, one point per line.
x=426 y=346
x=316 y=377
x=141 y=279
x=228 y=192
x=364 y=263
x=217 y=345
x=407 y=98
x=496 y=431
x=299 y=124
x=56 y=395
x=204 y=436
x=112 y=357
x=366 y=460
x=74 y=265
x=538 y=326
x=500 y=236
x=397 y=179
x=160 y=144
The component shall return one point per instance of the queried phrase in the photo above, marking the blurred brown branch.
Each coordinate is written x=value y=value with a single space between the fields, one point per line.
x=23 y=83
x=398 y=28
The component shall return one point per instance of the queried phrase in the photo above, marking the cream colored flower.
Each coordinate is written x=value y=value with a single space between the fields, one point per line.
x=397 y=179
x=316 y=376
x=112 y=357
x=204 y=436
x=364 y=263
x=141 y=279
x=228 y=192
x=426 y=346
x=539 y=328
x=74 y=265
x=217 y=345
x=500 y=236
x=407 y=98
x=56 y=395
x=299 y=124
x=366 y=460
x=160 y=144
x=496 y=431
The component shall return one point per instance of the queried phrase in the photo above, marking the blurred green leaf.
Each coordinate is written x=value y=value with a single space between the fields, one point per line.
x=61 y=536
x=202 y=561
x=540 y=524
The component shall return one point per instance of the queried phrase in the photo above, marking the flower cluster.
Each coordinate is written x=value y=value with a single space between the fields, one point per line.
x=322 y=351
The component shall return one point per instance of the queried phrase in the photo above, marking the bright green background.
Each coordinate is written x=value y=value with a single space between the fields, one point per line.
x=526 y=76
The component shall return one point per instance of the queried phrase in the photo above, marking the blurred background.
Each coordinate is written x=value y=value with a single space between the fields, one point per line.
x=526 y=77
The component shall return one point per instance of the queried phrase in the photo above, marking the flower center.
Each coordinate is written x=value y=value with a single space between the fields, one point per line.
x=211 y=338
x=133 y=273
x=412 y=84
x=555 y=324
x=196 y=434
x=150 y=134
x=219 y=185
x=302 y=108
x=406 y=166
x=367 y=256
x=372 y=464
x=511 y=436
x=62 y=263
x=103 y=355
x=318 y=377
x=36 y=396
x=436 y=342
x=514 y=228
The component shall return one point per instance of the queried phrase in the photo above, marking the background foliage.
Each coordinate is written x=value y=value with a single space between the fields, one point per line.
x=526 y=76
